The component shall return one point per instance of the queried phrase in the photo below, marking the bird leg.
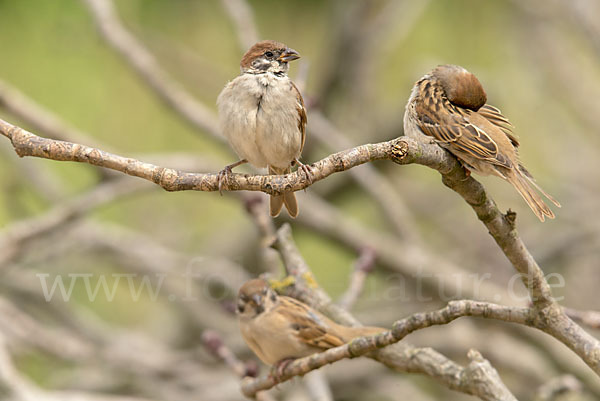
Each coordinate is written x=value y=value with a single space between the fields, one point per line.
x=224 y=174
x=306 y=169
x=279 y=367
x=466 y=168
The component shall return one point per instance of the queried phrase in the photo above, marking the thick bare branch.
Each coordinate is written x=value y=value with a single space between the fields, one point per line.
x=489 y=389
x=401 y=150
x=28 y=144
x=401 y=357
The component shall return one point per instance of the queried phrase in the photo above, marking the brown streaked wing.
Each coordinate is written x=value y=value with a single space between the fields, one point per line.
x=452 y=128
x=301 y=114
x=494 y=115
x=310 y=327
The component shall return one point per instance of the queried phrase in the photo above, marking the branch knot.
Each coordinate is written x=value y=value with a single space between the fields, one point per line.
x=398 y=150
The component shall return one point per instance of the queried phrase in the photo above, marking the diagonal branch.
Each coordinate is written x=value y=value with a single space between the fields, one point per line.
x=146 y=65
x=403 y=150
x=241 y=15
x=491 y=389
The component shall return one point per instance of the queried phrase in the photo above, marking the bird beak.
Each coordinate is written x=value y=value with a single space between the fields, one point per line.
x=258 y=301
x=289 y=55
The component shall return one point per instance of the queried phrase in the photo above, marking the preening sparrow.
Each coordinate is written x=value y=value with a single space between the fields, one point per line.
x=449 y=104
x=279 y=328
x=262 y=115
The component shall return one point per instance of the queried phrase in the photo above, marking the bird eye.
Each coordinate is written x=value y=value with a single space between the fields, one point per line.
x=269 y=54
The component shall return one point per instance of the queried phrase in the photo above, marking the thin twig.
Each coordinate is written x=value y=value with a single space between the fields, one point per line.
x=362 y=267
x=41 y=119
x=589 y=318
x=375 y=183
x=213 y=342
x=148 y=68
x=557 y=387
x=16 y=236
x=241 y=15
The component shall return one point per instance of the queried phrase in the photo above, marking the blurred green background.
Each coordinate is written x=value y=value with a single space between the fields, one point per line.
x=539 y=62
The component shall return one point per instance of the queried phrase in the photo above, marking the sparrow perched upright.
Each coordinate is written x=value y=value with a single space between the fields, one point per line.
x=279 y=329
x=262 y=115
x=449 y=104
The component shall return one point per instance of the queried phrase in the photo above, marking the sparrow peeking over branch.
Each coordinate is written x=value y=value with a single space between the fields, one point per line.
x=280 y=329
x=449 y=105
x=262 y=115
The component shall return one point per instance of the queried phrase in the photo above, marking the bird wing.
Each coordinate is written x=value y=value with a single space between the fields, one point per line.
x=453 y=127
x=494 y=116
x=309 y=326
x=302 y=119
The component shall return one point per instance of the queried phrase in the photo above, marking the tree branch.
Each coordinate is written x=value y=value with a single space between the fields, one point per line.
x=28 y=144
x=491 y=389
x=148 y=68
x=401 y=150
x=241 y=15
x=401 y=357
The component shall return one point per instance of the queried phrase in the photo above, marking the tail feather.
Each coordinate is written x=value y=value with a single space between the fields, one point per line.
x=350 y=333
x=532 y=181
x=521 y=181
x=275 y=205
x=288 y=199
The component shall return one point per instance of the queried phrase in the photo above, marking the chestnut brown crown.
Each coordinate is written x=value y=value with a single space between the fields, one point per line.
x=460 y=86
x=251 y=287
x=254 y=297
x=268 y=56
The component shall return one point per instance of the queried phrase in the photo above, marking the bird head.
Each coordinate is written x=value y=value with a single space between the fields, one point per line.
x=460 y=86
x=255 y=297
x=268 y=56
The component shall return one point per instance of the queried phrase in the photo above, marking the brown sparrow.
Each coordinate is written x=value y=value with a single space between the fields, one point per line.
x=449 y=104
x=262 y=115
x=279 y=329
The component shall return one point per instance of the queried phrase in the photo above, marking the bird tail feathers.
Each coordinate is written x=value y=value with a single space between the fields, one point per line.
x=288 y=199
x=523 y=182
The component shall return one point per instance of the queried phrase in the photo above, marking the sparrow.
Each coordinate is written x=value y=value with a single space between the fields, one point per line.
x=449 y=105
x=279 y=329
x=262 y=115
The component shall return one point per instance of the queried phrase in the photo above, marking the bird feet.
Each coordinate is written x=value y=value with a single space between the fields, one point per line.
x=223 y=175
x=279 y=367
x=306 y=169
x=466 y=169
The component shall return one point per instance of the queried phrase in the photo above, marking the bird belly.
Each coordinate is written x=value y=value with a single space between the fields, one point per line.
x=272 y=340
x=259 y=118
x=237 y=105
x=277 y=132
